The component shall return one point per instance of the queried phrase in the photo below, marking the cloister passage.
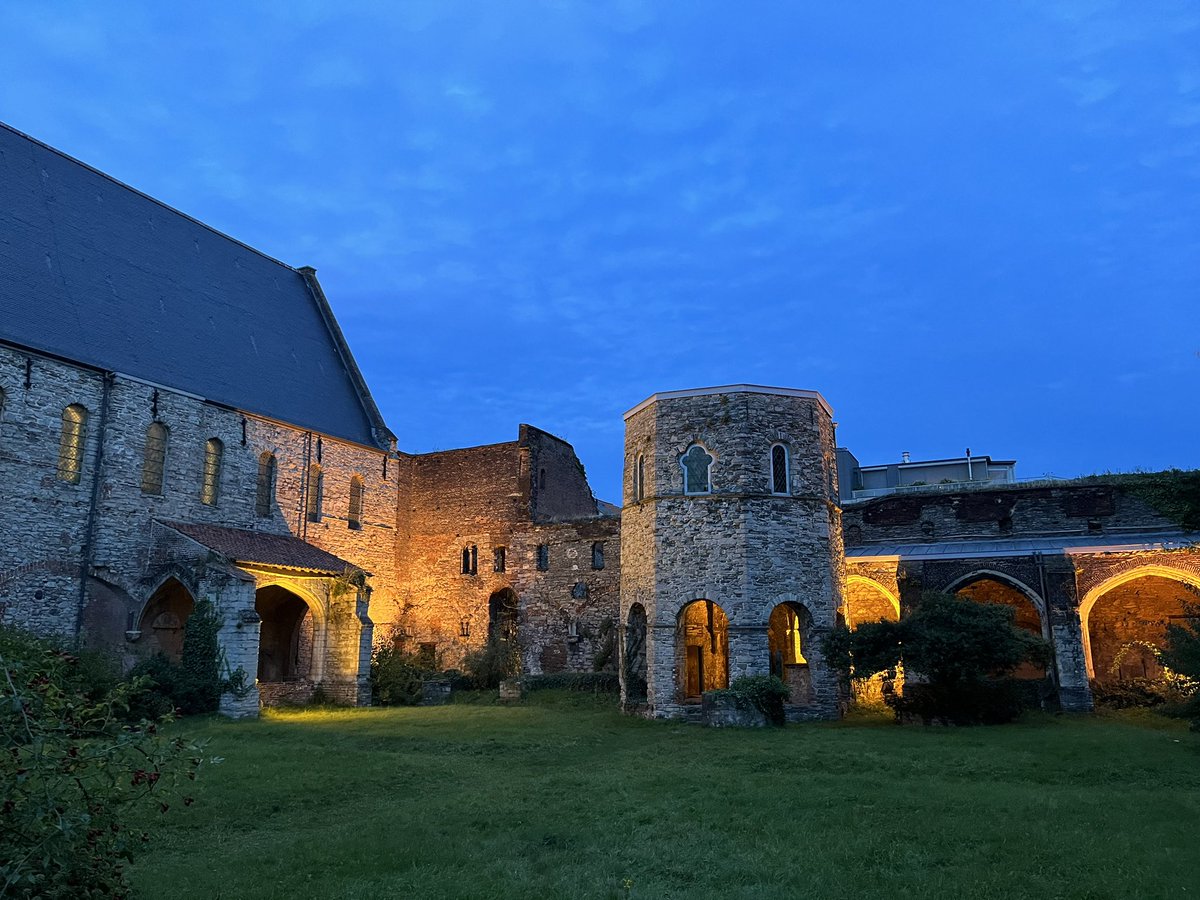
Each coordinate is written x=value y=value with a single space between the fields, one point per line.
x=987 y=588
x=1125 y=621
x=787 y=631
x=635 y=655
x=701 y=649
x=286 y=637
x=164 y=619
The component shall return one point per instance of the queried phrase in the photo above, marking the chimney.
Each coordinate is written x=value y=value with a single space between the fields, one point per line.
x=904 y=457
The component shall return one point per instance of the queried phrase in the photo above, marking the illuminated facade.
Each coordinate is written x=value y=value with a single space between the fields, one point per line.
x=181 y=419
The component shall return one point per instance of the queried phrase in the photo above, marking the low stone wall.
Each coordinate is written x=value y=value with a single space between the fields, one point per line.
x=285 y=693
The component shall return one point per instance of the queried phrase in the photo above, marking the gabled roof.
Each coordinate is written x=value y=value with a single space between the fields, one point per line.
x=96 y=272
x=283 y=551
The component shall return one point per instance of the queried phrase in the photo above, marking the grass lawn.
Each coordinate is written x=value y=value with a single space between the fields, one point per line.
x=566 y=798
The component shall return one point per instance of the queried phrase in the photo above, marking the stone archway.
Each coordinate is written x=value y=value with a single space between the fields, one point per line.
x=987 y=586
x=701 y=649
x=867 y=600
x=504 y=609
x=164 y=619
x=634 y=669
x=290 y=638
x=1124 y=620
x=788 y=631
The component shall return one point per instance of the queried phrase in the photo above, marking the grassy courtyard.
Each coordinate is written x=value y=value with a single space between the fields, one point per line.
x=566 y=798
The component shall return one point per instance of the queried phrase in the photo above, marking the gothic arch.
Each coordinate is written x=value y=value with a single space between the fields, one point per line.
x=1039 y=605
x=1095 y=593
x=870 y=584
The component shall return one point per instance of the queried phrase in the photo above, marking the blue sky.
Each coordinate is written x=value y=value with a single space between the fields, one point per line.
x=965 y=224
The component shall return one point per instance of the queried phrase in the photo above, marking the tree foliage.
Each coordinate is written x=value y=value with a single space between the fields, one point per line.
x=1182 y=656
x=955 y=653
x=75 y=774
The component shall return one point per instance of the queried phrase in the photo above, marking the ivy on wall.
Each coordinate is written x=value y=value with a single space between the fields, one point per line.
x=1174 y=493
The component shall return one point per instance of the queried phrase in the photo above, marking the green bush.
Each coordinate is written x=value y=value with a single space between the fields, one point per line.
x=75 y=775
x=1182 y=659
x=398 y=676
x=765 y=693
x=1130 y=693
x=498 y=660
x=584 y=682
x=195 y=684
x=957 y=656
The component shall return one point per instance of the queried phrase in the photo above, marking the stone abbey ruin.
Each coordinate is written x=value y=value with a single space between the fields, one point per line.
x=181 y=418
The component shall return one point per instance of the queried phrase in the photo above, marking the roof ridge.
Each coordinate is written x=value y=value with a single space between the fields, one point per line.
x=168 y=207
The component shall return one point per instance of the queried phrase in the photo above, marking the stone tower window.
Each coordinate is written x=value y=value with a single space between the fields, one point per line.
x=543 y=557
x=541 y=479
x=316 y=485
x=266 y=485
x=1 y=403
x=639 y=479
x=70 y=443
x=499 y=563
x=697 y=464
x=779 y=469
x=598 y=555
x=210 y=487
x=470 y=559
x=355 y=512
x=154 y=458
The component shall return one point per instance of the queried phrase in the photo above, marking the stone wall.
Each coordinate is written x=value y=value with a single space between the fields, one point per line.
x=513 y=496
x=738 y=545
x=1000 y=511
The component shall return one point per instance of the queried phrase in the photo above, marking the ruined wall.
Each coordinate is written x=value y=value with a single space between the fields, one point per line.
x=1000 y=511
x=480 y=499
x=739 y=546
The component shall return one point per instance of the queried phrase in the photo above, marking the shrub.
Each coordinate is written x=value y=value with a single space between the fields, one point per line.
x=1182 y=659
x=586 y=682
x=498 y=660
x=956 y=653
x=1130 y=693
x=74 y=775
x=397 y=676
x=195 y=684
x=765 y=693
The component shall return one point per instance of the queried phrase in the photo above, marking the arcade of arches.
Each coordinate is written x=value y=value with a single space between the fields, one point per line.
x=868 y=601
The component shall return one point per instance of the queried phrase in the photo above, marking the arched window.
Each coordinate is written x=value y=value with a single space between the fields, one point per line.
x=639 y=479
x=697 y=465
x=71 y=441
x=354 y=516
x=265 y=498
x=541 y=479
x=154 y=458
x=470 y=559
x=779 y=469
x=316 y=484
x=210 y=488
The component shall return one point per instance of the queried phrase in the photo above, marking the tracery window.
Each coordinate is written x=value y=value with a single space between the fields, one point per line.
x=210 y=487
x=70 y=443
x=265 y=497
x=779 y=469
x=697 y=465
x=355 y=512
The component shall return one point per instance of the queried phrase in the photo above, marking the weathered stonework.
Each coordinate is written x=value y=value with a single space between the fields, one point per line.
x=734 y=543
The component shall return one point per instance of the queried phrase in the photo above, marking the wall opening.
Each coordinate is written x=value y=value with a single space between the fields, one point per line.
x=787 y=633
x=635 y=655
x=286 y=636
x=986 y=589
x=701 y=649
x=165 y=618
x=503 y=615
x=1128 y=622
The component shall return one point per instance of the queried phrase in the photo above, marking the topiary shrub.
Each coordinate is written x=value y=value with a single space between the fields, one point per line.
x=75 y=776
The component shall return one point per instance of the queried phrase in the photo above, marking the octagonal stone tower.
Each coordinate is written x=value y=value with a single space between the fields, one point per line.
x=731 y=547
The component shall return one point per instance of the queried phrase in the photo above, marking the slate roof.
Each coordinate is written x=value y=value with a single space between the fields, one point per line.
x=94 y=271
x=1098 y=543
x=257 y=547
